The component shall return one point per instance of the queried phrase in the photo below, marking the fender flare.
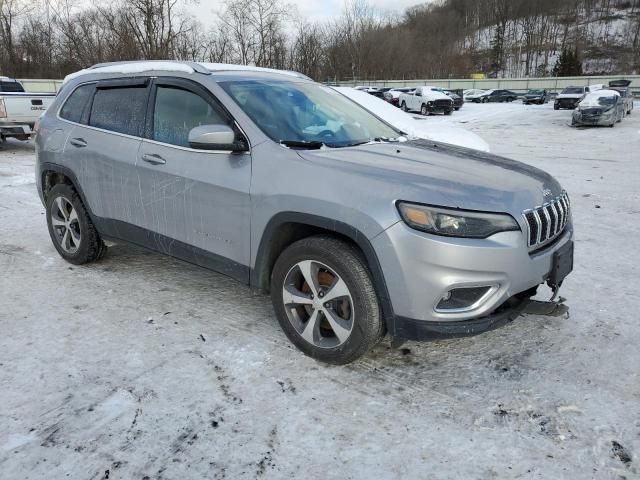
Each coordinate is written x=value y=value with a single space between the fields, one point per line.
x=261 y=271
x=67 y=172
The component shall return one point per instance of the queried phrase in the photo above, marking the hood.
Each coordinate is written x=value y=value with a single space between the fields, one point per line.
x=439 y=174
x=569 y=95
x=619 y=83
x=420 y=127
x=434 y=95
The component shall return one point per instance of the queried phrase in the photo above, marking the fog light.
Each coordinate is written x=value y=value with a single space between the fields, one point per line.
x=461 y=299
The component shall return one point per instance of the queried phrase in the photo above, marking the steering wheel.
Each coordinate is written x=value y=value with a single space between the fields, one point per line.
x=326 y=134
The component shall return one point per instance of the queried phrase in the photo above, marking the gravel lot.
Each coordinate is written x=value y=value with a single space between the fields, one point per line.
x=141 y=366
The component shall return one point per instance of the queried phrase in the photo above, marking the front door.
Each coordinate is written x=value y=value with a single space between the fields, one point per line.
x=195 y=201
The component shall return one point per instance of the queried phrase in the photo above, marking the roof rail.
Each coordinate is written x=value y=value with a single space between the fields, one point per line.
x=194 y=65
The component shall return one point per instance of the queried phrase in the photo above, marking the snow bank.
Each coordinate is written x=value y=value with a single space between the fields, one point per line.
x=420 y=128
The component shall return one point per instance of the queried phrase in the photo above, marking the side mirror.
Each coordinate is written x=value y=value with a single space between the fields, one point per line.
x=215 y=137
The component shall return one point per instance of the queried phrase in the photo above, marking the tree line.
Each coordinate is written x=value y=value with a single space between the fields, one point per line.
x=439 y=39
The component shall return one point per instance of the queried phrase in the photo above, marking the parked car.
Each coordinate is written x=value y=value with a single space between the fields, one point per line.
x=393 y=95
x=496 y=96
x=379 y=92
x=456 y=96
x=415 y=126
x=603 y=107
x=473 y=95
x=622 y=87
x=288 y=186
x=569 y=97
x=19 y=111
x=426 y=100
x=539 y=96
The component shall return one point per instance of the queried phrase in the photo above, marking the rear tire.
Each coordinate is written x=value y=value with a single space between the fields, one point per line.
x=326 y=260
x=403 y=107
x=71 y=230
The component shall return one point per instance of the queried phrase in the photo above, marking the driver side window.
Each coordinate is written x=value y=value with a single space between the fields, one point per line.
x=177 y=111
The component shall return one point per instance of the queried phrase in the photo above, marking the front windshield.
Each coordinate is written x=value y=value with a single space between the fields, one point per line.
x=572 y=90
x=535 y=92
x=598 y=101
x=290 y=111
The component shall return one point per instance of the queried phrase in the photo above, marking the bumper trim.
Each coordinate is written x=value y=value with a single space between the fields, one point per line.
x=411 y=329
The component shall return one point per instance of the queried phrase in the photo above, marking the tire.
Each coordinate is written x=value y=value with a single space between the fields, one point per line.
x=448 y=112
x=457 y=108
x=556 y=107
x=404 y=107
x=71 y=230
x=329 y=257
x=485 y=100
x=423 y=110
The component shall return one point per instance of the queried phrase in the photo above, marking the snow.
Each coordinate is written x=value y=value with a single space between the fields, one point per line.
x=415 y=125
x=247 y=68
x=103 y=367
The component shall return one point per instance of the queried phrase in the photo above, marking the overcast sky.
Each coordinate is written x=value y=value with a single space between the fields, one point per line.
x=206 y=10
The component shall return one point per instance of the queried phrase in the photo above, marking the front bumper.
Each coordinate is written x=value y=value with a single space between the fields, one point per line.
x=601 y=120
x=420 y=269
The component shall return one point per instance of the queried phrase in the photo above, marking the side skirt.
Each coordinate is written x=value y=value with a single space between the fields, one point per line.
x=119 y=231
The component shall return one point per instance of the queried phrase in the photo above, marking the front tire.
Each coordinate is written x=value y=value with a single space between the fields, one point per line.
x=404 y=107
x=325 y=301
x=73 y=234
x=423 y=110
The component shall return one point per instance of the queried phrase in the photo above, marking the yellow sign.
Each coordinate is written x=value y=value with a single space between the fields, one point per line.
x=478 y=76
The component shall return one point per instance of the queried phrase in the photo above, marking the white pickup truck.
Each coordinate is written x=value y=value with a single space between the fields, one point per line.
x=19 y=110
x=426 y=100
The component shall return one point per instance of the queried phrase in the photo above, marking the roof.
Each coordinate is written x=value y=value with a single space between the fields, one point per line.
x=174 y=66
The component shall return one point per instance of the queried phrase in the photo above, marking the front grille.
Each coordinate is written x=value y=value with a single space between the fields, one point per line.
x=547 y=222
x=567 y=102
x=443 y=103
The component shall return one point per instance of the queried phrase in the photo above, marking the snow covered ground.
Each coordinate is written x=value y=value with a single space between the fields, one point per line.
x=141 y=366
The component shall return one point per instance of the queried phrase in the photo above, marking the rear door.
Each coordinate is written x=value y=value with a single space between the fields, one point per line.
x=104 y=148
x=198 y=197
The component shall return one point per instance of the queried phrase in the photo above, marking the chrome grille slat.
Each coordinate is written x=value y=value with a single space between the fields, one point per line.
x=546 y=222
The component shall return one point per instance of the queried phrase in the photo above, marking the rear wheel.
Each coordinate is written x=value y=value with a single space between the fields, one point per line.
x=404 y=107
x=325 y=301
x=73 y=234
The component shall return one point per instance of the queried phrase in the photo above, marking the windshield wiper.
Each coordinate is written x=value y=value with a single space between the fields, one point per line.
x=310 y=144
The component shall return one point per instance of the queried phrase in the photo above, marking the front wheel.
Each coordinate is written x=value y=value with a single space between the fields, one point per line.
x=448 y=112
x=325 y=300
x=404 y=107
x=423 y=110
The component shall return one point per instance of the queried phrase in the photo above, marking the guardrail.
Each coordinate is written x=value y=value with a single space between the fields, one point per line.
x=515 y=84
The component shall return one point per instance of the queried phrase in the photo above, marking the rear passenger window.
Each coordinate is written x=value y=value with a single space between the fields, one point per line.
x=177 y=111
x=120 y=109
x=76 y=103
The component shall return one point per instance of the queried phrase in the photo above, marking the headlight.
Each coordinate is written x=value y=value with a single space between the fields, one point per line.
x=455 y=223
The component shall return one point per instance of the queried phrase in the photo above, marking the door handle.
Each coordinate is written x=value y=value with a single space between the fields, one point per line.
x=153 y=159
x=78 y=142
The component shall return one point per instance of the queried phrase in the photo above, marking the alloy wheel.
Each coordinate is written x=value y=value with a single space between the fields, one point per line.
x=66 y=225
x=318 y=304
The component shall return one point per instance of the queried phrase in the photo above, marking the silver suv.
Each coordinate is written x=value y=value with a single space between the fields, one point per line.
x=290 y=187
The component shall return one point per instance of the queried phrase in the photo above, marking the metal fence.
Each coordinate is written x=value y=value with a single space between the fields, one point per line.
x=515 y=84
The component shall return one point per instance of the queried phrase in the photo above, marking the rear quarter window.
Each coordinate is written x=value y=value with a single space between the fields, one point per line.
x=119 y=110
x=75 y=105
x=11 y=87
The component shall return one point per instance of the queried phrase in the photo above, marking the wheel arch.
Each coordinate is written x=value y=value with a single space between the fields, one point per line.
x=51 y=174
x=286 y=228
